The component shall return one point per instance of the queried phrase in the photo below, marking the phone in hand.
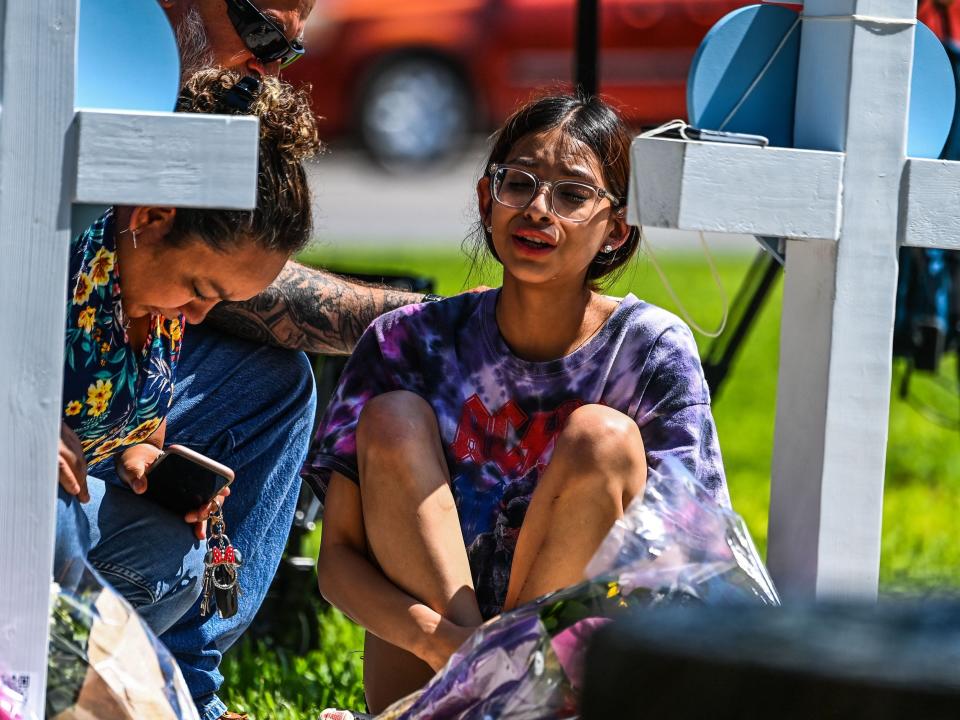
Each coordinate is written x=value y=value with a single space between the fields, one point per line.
x=182 y=480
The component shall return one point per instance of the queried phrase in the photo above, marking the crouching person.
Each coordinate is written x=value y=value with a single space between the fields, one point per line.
x=478 y=449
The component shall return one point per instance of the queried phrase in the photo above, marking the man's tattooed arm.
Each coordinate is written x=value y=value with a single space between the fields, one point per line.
x=306 y=309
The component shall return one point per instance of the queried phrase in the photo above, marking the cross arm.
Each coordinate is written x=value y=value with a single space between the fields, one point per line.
x=929 y=199
x=726 y=188
x=173 y=159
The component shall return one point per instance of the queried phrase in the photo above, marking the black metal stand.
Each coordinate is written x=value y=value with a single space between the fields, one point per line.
x=586 y=76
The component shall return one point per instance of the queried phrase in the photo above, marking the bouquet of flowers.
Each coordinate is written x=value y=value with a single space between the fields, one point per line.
x=104 y=662
x=674 y=545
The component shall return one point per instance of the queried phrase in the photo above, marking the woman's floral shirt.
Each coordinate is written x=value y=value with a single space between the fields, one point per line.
x=114 y=395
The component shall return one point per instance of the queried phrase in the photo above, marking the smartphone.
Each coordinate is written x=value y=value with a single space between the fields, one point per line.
x=183 y=480
x=727 y=137
x=679 y=130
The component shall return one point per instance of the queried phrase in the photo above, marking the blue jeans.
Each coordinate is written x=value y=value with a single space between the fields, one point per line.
x=250 y=407
x=117 y=532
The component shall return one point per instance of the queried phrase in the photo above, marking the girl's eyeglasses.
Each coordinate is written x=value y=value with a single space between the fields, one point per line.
x=261 y=35
x=569 y=199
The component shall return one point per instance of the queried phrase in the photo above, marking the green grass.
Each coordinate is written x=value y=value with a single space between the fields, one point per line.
x=920 y=552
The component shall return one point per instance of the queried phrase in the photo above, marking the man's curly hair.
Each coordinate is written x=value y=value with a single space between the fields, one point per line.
x=288 y=136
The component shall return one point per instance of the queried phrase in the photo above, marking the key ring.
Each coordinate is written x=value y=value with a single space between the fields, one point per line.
x=230 y=583
x=217 y=523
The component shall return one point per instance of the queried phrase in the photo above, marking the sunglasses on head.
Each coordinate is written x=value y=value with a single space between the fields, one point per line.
x=261 y=35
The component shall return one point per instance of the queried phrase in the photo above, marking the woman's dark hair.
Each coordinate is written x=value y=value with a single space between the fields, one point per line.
x=282 y=219
x=589 y=121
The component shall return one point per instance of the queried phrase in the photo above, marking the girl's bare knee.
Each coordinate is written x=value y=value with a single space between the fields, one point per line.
x=601 y=436
x=600 y=444
x=394 y=420
x=398 y=439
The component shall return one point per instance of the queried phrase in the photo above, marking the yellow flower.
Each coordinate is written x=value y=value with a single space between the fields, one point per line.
x=100 y=266
x=143 y=431
x=176 y=330
x=86 y=319
x=74 y=407
x=105 y=348
x=82 y=290
x=98 y=396
x=105 y=450
x=98 y=406
x=612 y=589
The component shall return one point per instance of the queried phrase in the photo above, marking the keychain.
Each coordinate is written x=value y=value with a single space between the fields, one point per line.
x=222 y=568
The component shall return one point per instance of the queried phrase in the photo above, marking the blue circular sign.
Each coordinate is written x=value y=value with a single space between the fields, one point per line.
x=744 y=79
x=127 y=56
x=744 y=75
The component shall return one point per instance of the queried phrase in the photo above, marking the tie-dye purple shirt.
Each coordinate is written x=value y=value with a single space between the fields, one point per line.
x=499 y=415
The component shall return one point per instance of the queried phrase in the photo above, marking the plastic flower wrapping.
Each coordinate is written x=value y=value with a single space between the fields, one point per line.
x=12 y=701
x=676 y=545
x=104 y=662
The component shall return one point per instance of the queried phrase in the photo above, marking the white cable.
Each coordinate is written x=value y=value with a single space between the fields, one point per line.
x=681 y=308
x=904 y=22
x=760 y=75
x=679 y=125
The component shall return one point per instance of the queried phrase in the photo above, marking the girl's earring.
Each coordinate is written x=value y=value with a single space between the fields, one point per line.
x=607 y=249
x=489 y=229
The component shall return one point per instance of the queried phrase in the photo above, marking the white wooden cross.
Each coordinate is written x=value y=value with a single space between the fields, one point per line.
x=52 y=158
x=845 y=203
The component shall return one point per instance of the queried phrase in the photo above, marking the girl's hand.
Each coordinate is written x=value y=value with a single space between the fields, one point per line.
x=71 y=465
x=448 y=637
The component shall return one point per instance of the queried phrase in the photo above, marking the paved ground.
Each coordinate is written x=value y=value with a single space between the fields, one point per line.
x=359 y=203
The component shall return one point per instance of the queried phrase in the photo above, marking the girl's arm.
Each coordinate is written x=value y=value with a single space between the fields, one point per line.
x=350 y=581
x=674 y=413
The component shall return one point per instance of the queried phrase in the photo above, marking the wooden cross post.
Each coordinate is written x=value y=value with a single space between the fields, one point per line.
x=52 y=158
x=845 y=202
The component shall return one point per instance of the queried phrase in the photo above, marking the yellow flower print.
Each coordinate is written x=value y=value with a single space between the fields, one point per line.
x=105 y=348
x=82 y=290
x=98 y=397
x=176 y=331
x=86 y=319
x=143 y=431
x=100 y=266
x=613 y=589
x=105 y=450
x=98 y=406
x=73 y=407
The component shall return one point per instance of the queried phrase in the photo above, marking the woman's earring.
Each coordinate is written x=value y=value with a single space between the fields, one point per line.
x=489 y=229
x=608 y=249
x=133 y=233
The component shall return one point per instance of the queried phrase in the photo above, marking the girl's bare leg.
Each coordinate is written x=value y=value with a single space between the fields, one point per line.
x=412 y=529
x=597 y=468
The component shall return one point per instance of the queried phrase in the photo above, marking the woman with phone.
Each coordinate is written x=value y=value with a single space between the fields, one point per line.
x=138 y=277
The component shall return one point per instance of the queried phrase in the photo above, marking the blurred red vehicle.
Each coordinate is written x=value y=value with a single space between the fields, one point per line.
x=411 y=78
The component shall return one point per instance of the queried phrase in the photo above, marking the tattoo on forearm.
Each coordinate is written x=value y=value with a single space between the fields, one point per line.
x=306 y=309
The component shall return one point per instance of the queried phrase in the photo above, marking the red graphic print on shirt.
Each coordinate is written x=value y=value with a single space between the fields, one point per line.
x=484 y=436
